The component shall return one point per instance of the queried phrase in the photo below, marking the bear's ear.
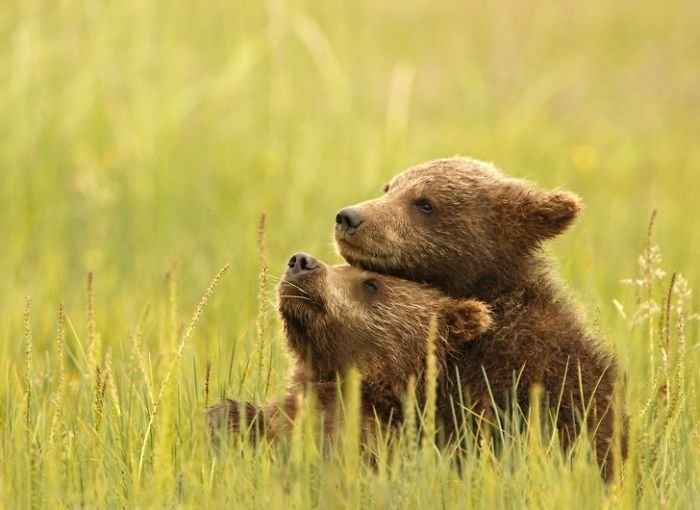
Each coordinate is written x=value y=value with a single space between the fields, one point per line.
x=549 y=214
x=466 y=319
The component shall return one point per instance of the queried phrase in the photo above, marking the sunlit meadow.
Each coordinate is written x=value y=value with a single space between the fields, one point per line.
x=142 y=142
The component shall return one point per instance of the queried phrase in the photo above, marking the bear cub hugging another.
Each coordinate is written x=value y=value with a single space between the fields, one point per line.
x=461 y=226
x=339 y=317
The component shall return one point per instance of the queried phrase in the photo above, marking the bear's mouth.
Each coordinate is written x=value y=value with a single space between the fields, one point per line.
x=301 y=313
x=296 y=301
x=366 y=259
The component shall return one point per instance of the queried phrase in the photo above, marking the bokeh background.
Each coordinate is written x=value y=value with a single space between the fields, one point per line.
x=136 y=135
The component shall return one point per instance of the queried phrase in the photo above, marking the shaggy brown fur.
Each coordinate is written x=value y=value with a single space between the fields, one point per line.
x=340 y=317
x=460 y=225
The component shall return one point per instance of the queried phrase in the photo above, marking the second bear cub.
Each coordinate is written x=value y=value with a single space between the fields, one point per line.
x=338 y=317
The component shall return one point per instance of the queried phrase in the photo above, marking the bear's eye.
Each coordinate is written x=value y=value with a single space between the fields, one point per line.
x=370 y=286
x=424 y=206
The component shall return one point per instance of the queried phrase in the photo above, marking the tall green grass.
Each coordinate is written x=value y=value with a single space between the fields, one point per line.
x=140 y=143
x=130 y=432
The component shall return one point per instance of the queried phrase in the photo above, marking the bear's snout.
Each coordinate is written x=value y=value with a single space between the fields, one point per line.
x=301 y=263
x=348 y=220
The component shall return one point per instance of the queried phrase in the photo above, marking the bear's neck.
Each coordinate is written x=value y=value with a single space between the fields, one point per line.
x=525 y=280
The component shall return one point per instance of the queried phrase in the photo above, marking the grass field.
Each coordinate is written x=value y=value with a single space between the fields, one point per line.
x=142 y=141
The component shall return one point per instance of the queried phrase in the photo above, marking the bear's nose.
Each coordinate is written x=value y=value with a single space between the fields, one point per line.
x=301 y=263
x=348 y=219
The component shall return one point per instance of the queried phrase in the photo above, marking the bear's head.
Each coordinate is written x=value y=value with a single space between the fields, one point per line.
x=337 y=317
x=456 y=223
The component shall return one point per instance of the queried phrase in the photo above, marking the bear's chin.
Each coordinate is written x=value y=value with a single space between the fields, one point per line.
x=382 y=265
x=298 y=312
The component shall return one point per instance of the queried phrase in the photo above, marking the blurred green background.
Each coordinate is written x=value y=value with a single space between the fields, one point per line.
x=135 y=134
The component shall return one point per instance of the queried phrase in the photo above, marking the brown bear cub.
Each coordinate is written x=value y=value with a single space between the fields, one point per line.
x=460 y=225
x=338 y=317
